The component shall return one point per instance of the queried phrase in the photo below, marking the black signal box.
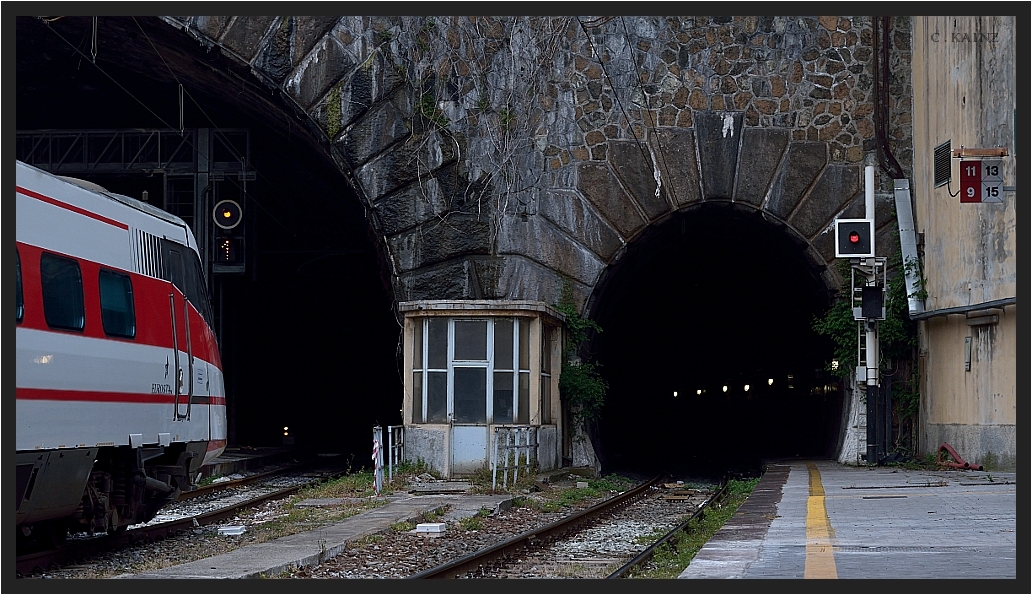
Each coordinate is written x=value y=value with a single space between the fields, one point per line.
x=854 y=238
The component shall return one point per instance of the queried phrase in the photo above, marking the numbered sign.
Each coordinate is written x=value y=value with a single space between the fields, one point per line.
x=992 y=180
x=981 y=181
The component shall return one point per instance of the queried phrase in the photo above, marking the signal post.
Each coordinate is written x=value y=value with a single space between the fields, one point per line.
x=854 y=239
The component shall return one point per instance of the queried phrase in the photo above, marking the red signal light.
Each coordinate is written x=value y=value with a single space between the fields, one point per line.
x=854 y=237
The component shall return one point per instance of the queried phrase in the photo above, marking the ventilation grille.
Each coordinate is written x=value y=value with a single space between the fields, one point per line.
x=943 y=167
x=147 y=254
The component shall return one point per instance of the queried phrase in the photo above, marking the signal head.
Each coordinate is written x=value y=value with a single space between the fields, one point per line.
x=227 y=214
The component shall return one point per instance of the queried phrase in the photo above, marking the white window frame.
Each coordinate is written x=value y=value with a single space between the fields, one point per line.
x=487 y=364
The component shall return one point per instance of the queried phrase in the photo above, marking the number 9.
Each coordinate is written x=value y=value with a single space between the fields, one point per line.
x=971 y=191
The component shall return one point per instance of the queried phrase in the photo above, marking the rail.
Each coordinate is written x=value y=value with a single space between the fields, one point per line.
x=488 y=556
x=645 y=556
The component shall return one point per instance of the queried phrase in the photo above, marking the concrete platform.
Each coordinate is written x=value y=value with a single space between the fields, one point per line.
x=821 y=519
x=312 y=547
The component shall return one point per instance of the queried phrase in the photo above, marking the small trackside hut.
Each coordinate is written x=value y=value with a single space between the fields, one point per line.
x=477 y=373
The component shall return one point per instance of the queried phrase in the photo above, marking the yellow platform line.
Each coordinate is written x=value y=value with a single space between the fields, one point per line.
x=820 y=560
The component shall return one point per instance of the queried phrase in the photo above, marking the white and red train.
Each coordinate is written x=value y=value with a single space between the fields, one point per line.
x=119 y=390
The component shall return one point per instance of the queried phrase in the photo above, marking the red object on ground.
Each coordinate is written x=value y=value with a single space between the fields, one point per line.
x=959 y=464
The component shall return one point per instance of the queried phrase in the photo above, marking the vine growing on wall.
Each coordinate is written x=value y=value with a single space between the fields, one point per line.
x=897 y=341
x=581 y=385
x=473 y=90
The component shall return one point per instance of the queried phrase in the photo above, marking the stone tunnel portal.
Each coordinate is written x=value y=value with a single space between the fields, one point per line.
x=708 y=348
x=307 y=332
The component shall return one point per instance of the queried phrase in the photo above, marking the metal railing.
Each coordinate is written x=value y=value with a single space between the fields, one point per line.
x=513 y=448
x=395 y=449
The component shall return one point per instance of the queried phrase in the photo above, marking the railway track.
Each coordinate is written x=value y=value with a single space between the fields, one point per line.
x=628 y=568
x=584 y=544
x=580 y=546
x=78 y=549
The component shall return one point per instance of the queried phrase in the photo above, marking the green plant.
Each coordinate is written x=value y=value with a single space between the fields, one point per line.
x=507 y=119
x=432 y=516
x=597 y=488
x=897 y=341
x=428 y=109
x=671 y=558
x=402 y=526
x=839 y=325
x=333 y=113
x=913 y=265
x=581 y=385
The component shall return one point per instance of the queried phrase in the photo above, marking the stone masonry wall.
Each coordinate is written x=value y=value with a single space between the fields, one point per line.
x=498 y=156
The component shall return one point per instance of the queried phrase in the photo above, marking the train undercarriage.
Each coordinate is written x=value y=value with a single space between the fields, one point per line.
x=103 y=489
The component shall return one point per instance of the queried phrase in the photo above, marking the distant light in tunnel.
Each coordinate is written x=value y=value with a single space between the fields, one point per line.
x=725 y=388
x=746 y=388
x=770 y=382
x=675 y=393
x=698 y=392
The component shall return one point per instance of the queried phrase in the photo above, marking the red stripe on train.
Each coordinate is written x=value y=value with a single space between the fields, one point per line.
x=216 y=444
x=50 y=394
x=71 y=208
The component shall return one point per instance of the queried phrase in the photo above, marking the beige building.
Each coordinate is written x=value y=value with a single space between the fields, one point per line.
x=482 y=386
x=965 y=99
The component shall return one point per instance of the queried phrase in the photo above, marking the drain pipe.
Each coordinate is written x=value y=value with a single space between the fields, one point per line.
x=908 y=246
x=901 y=185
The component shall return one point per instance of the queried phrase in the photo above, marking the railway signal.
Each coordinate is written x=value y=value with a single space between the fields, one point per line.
x=228 y=253
x=854 y=238
x=227 y=214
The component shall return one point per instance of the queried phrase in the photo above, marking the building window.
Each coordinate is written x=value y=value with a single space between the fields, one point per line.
x=62 y=292
x=116 y=304
x=546 y=374
x=471 y=370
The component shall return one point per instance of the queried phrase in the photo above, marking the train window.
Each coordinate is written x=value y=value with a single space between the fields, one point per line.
x=174 y=267
x=62 y=292
x=116 y=304
x=183 y=269
x=19 y=305
x=196 y=289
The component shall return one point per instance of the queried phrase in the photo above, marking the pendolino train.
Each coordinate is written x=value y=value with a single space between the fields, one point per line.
x=119 y=389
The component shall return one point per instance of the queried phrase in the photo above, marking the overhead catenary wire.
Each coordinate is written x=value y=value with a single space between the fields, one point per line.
x=605 y=72
x=183 y=90
x=649 y=121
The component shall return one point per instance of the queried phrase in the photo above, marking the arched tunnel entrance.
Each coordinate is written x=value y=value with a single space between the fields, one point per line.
x=308 y=336
x=708 y=348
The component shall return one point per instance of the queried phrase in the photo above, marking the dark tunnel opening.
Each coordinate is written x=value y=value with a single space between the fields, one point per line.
x=711 y=301
x=309 y=340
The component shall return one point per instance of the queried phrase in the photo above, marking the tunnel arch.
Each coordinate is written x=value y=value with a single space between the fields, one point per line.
x=714 y=296
x=315 y=300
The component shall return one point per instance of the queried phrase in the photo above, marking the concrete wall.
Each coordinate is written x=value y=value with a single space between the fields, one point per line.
x=430 y=445
x=965 y=91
